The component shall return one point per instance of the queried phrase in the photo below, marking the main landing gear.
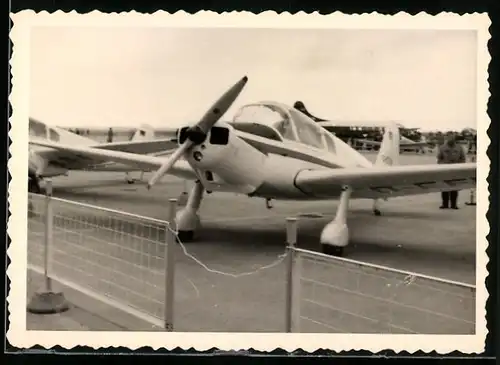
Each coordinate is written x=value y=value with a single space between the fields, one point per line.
x=335 y=235
x=187 y=219
x=131 y=180
x=34 y=185
x=376 y=207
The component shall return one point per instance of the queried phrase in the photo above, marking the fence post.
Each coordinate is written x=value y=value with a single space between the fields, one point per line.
x=170 y=241
x=291 y=240
x=48 y=236
x=47 y=301
x=472 y=195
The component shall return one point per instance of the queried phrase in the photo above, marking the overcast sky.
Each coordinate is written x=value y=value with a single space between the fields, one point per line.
x=167 y=76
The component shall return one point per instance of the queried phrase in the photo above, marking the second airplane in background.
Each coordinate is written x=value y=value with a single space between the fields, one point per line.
x=47 y=162
x=361 y=132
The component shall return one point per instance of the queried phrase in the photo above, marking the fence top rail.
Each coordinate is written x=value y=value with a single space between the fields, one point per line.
x=380 y=267
x=114 y=211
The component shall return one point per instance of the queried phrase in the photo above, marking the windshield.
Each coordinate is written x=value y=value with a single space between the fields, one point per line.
x=267 y=115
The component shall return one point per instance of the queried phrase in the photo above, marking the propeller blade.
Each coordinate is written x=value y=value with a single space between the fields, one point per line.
x=221 y=106
x=173 y=158
x=197 y=133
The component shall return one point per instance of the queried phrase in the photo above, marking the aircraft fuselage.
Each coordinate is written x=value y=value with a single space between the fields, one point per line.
x=238 y=166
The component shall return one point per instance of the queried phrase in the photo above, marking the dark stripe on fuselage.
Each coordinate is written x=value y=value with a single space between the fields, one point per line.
x=299 y=155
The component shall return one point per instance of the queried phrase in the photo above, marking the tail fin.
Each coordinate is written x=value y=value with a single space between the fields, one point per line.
x=299 y=105
x=143 y=133
x=388 y=154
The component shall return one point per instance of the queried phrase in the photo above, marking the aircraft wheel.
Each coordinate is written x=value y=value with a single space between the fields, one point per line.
x=130 y=181
x=377 y=212
x=34 y=186
x=185 y=236
x=337 y=251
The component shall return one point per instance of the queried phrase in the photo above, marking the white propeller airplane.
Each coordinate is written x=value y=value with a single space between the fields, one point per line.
x=273 y=151
x=47 y=162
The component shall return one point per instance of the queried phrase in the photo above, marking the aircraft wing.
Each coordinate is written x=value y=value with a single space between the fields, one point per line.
x=112 y=166
x=93 y=156
x=373 y=182
x=385 y=182
x=140 y=147
x=401 y=143
x=72 y=161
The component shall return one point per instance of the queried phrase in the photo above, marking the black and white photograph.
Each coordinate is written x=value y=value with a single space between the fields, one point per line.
x=247 y=181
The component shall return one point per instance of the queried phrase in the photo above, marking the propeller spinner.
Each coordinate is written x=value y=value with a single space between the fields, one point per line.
x=197 y=134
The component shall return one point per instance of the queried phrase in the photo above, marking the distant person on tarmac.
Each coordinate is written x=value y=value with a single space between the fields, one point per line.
x=110 y=135
x=450 y=152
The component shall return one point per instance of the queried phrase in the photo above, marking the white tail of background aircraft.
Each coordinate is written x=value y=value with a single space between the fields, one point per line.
x=389 y=149
x=388 y=154
x=299 y=105
x=144 y=133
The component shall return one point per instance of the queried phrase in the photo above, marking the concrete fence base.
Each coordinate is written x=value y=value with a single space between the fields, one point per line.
x=48 y=303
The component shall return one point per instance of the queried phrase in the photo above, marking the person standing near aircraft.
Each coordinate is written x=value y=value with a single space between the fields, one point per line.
x=110 y=135
x=448 y=153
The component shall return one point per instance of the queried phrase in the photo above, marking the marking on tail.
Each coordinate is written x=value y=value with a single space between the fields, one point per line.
x=389 y=148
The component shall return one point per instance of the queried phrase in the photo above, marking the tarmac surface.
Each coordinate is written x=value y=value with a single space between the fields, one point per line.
x=240 y=235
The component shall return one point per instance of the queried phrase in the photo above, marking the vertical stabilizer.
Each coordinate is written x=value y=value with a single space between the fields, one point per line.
x=143 y=133
x=300 y=106
x=388 y=154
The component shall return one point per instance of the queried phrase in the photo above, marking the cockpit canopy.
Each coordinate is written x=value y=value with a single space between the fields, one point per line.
x=261 y=120
x=279 y=122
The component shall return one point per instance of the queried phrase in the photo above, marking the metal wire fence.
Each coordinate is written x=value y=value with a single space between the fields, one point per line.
x=345 y=296
x=127 y=261
x=121 y=259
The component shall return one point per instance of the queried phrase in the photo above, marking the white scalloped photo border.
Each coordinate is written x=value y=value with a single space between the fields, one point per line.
x=20 y=35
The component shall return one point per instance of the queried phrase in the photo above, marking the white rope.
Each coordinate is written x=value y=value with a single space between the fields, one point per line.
x=278 y=261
